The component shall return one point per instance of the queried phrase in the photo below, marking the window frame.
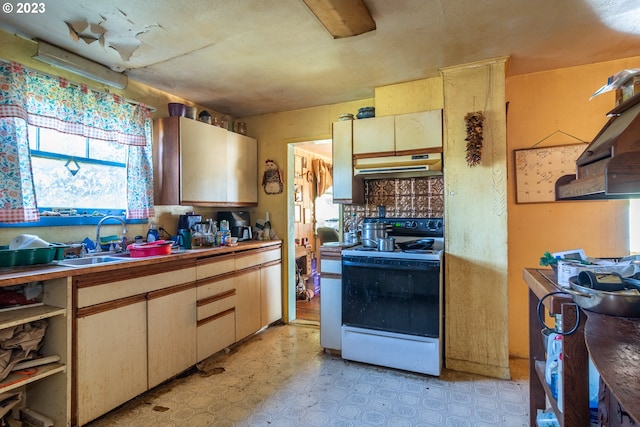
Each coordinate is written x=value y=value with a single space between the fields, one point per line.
x=85 y=216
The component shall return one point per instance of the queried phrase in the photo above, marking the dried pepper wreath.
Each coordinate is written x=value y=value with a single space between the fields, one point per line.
x=474 y=137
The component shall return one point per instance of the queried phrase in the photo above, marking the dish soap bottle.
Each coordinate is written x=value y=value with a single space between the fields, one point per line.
x=152 y=234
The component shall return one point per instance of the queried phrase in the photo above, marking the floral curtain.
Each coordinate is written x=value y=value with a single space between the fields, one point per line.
x=30 y=97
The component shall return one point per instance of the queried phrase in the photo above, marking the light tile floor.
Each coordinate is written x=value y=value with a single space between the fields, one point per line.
x=281 y=377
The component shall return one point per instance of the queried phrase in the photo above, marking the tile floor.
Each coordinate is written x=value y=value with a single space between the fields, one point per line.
x=281 y=377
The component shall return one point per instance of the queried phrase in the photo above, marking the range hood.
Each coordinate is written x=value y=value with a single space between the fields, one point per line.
x=399 y=166
x=609 y=168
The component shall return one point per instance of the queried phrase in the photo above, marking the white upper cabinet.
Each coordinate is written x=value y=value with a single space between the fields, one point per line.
x=203 y=165
x=374 y=135
x=403 y=134
x=346 y=188
x=417 y=131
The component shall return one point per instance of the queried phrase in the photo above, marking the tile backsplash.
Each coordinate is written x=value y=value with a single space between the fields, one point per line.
x=402 y=198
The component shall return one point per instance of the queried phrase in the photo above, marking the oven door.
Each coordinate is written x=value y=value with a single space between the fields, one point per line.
x=394 y=295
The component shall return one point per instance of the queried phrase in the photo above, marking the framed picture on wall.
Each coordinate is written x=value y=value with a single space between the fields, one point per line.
x=298 y=193
x=307 y=216
x=297 y=213
x=297 y=166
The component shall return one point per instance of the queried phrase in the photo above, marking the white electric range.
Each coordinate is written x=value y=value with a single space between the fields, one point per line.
x=392 y=302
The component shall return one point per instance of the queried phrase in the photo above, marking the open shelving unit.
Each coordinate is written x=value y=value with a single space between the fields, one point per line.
x=575 y=368
x=45 y=388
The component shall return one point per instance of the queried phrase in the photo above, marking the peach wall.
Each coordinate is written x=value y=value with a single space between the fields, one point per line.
x=540 y=104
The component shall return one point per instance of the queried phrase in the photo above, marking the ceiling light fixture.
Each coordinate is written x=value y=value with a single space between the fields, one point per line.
x=68 y=61
x=342 y=18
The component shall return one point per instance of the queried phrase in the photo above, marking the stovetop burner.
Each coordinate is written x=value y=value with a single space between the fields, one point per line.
x=416 y=238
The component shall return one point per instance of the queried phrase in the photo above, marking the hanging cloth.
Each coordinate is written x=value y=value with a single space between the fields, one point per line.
x=323 y=173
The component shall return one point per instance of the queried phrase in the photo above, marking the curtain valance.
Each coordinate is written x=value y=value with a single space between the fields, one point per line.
x=51 y=102
x=29 y=97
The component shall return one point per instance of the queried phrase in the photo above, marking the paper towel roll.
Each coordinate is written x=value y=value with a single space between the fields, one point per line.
x=25 y=241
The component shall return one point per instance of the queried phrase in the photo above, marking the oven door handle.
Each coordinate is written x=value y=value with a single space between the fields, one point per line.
x=396 y=264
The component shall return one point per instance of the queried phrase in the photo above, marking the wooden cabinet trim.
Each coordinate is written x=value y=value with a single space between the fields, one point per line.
x=133 y=272
x=270 y=263
x=330 y=257
x=171 y=290
x=249 y=252
x=330 y=276
x=216 y=297
x=216 y=316
x=374 y=155
x=417 y=152
x=214 y=258
x=107 y=306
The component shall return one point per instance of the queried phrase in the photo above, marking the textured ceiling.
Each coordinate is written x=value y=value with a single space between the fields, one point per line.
x=248 y=57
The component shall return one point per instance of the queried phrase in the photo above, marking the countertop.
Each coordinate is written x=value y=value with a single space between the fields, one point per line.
x=32 y=273
x=335 y=247
x=613 y=342
x=614 y=345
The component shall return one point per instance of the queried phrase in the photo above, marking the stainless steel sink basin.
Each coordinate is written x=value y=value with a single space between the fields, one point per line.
x=93 y=260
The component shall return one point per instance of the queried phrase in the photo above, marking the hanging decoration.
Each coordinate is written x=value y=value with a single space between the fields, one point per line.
x=272 y=178
x=474 y=122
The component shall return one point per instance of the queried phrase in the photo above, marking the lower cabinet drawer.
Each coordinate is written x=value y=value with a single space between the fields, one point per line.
x=215 y=333
x=216 y=304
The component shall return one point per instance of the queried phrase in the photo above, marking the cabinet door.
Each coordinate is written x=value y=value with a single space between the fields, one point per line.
x=374 y=135
x=203 y=165
x=242 y=166
x=417 y=131
x=271 y=293
x=112 y=359
x=171 y=319
x=247 y=303
x=331 y=313
x=346 y=189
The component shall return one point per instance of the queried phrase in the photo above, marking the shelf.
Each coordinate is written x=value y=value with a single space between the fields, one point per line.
x=17 y=379
x=20 y=315
x=540 y=367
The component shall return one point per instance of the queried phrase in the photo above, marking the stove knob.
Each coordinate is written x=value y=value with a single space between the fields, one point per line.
x=431 y=225
x=411 y=224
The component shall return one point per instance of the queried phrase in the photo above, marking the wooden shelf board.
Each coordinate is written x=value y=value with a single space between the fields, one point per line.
x=25 y=314
x=17 y=379
x=540 y=370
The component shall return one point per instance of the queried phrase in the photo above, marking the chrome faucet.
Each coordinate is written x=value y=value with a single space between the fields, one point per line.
x=124 y=229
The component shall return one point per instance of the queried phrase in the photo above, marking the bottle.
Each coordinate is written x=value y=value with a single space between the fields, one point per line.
x=266 y=230
x=224 y=232
x=152 y=234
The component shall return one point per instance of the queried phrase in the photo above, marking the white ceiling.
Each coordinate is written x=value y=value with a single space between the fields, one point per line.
x=248 y=57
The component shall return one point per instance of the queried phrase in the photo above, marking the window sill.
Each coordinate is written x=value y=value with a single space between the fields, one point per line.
x=64 y=221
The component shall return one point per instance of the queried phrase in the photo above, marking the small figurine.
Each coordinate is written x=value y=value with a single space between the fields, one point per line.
x=272 y=178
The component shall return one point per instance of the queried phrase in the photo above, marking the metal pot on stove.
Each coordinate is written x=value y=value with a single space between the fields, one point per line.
x=388 y=244
x=372 y=232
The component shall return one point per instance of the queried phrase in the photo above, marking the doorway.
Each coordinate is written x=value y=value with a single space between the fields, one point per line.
x=307 y=210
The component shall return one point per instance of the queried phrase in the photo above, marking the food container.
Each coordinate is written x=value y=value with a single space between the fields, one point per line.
x=158 y=247
x=177 y=109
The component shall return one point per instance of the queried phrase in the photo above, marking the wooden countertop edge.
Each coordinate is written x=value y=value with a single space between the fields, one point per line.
x=33 y=273
x=614 y=345
x=541 y=281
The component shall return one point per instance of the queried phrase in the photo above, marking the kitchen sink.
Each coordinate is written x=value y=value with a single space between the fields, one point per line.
x=93 y=260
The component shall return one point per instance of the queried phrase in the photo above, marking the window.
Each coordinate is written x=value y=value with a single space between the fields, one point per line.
x=76 y=173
